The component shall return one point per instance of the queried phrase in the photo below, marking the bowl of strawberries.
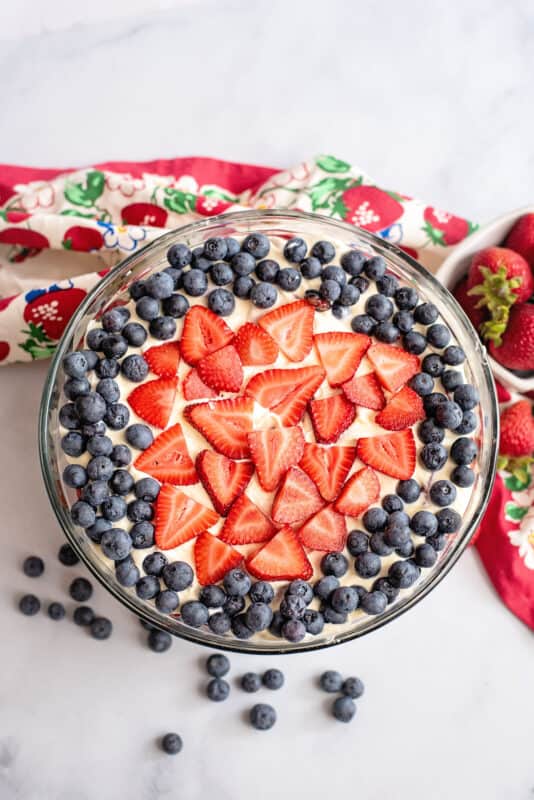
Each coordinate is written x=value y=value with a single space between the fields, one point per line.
x=491 y=274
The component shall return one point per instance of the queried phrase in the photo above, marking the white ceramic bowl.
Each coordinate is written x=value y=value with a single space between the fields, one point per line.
x=455 y=267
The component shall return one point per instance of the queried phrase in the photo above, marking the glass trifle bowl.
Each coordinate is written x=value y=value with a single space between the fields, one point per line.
x=406 y=570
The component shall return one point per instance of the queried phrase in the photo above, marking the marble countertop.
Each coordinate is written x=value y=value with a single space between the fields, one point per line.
x=433 y=102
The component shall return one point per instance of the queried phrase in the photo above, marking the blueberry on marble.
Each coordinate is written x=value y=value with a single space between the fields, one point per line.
x=217 y=690
x=159 y=641
x=325 y=586
x=301 y=589
x=386 y=587
x=154 y=563
x=380 y=308
x=448 y=520
x=324 y=251
x=139 y=436
x=80 y=590
x=353 y=262
x=334 y=564
x=434 y=456
x=331 y=681
x=408 y=490
x=295 y=250
x=257 y=244
x=425 y=556
x=273 y=679
x=258 y=616
x=178 y=575
x=33 y=566
x=261 y=592
x=363 y=323
x=403 y=574
x=293 y=630
x=30 y=605
x=263 y=295
x=414 y=343
x=82 y=514
x=179 y=255
x=343 y=708
x=221 y=302
x=357 y=542
x=83 y=615
x=424 y=523
x=262 y=717
x=237 y=582
x=147 y=587
x=426 y=313
x=219 y=623
x=367 y=565
x=101 y=628
x=442 y=493
x=353 y=687
x=217 y=665
x=171 y=744
x=56 y=611
x=67 y=556
x=463 y=476
x=313 y=622
x=310 y=268
x=126 y=572
x=243 y=286
x=250 y=682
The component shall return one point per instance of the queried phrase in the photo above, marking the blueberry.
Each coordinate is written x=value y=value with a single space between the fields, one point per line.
x=442 y=493
x=414 y=343
x=448 y=414
x=178 y=575
x=357 y=543
x=95 y=493
x=384 y=586
x=263 y=295
x=99 y=468
x=363 y=323
x=258 y=616
x=154 y=563
x=117 y=417
x=432 y=401
x=289 y=279
x=433 y=365
x=375 y=268
x=91 y=358
x=428 y=432
x=301 y=589
x=80 y=590
x=334 y=564
x=331 y=681
x=273 y=679
x=56 y=611
x=137 y=290
x=240 y=628
x=113 y=508
x=94 y=339
x=161 y=328
x=179 y=255
x=199 y=261
x=147 y=489
x=313 y=622
x=237 y=582
x=176 y=275
x=349 y=296
x=333 y=273
x=268 y=270
x=262 y=717
x=426 y=313
x=96 y=530
x=159 y=285
x=344 y=599
x=395 y=535
x=374 y=602
x=82 y=514
x=425 y=555
x=353 y=687
x=107 y=368
x=243 y=286
x=466 y=396
x=438 y=335
x=257 y=244
x=99 y=445
x=463 y=476
x=343 y=709
x=387 y=285
x=324 y=251
x=406 y=550
x=424 y=523
x=386 y=332
x=367 y=565
x=332 y=616
x=293 y=606
x=310 y=268
x=468 y=423
x=75 y=387
x=139 y=436
x=75 y=476
x=250 y=682
x=233 y=605
x=295 y=250
x=215 y=249
x=434 y=456
x=219 y=623
x=403 y=574
x=217 y=665
x=408 y=490
x=448 y=520
x=453 y=355
x=378 y=545
x=353 y=262
x=73 y=444
x=379 y=307
x=406 y=298
x=114 y=345
x=101 y=628
x=171 y=744
x=33 y=566
x=148 y=587
x=263 y=592
x=83 y=615
x=438 y=541
x=114 y=319
x=330 y=290
x=30 y=605
x=313 y=297
x=121 y=482
x=293 y=630
x=375 y=519
x=195 y=282
x=421 y=383
x=361 y=283
x=167 y=601
x=159 y=641
x=120 y=455
x=221 y=302
x=450 y=379
x=403 y=320
x=139 y=511
x=325 y=586
x=90 y=407
x=399 y=518
x=175 y=306
x=75 y=365
x=126 y=572
x=221 y=274
x=67 y=556
x=134 y=368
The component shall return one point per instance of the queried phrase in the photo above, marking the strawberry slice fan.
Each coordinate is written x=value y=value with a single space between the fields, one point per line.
x=109 y=210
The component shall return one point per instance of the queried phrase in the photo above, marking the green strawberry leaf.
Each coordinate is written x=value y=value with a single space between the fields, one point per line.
x=37 y=332
x=519 y=468
x=435 y=236
x=210 y=191
x=73 y=212
x=85 y=195
x=472 y=227
x=321 y=193
x=179 y=202
x=395 y=196
x=339 y=208
x=331 y=164
x=515 y=512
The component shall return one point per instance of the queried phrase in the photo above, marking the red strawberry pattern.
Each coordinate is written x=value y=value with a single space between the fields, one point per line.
x=47 y=312
x=210 y=206
x=82 y=239
x=443 y=228
x=144 y=214
x=25 y=243
x=369 y=207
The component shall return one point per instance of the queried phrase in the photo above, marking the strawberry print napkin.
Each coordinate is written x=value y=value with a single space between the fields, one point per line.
x=61 y=230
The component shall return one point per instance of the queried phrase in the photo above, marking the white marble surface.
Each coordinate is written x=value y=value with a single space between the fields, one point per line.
x=433 y=101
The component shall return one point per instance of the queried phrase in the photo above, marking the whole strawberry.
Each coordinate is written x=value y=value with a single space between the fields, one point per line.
x=516 y=350
x=517 y=430
x=521 y=238
x=470 y=304
x=498 y=278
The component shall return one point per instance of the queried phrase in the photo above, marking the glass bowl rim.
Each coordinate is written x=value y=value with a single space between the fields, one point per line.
x=141 y=610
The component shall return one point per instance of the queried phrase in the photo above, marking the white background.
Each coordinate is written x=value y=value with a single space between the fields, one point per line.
x=433 y=99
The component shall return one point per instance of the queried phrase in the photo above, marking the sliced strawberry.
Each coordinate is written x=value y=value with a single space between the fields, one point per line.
x=341 y=354
x=222 y=370
x=255 y=346
x=273 y=452
x=224 y=424
x=331 y=416
x=285 y=391
x=163 y=359
x=222 y=478
x=167 y=459
x=153 y=400
x=361 y=489
x=365 y=391
x=393 y=365
x=203 y=333
x=327 y=531
x=327 y=467
x=179 y=518
x=213 y=558
x=194 y=387
x=296 y=499
x=291 y=326
x=246 y=523
x=403 y=410
x=281 y=559
x=393 y=454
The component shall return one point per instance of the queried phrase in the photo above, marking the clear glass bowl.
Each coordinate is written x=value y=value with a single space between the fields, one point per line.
x=286 y=224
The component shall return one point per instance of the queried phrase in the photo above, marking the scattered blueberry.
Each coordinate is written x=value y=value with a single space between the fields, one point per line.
x=171 y=744
x=101 y=628
x=331 y=681
x=159 y=641
x=353 y=687
x=250 y=682
x=67 y=556
x=83 y=615
x=30 y=605
x=343 y=709
x=273 y=679
x=262 y=716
